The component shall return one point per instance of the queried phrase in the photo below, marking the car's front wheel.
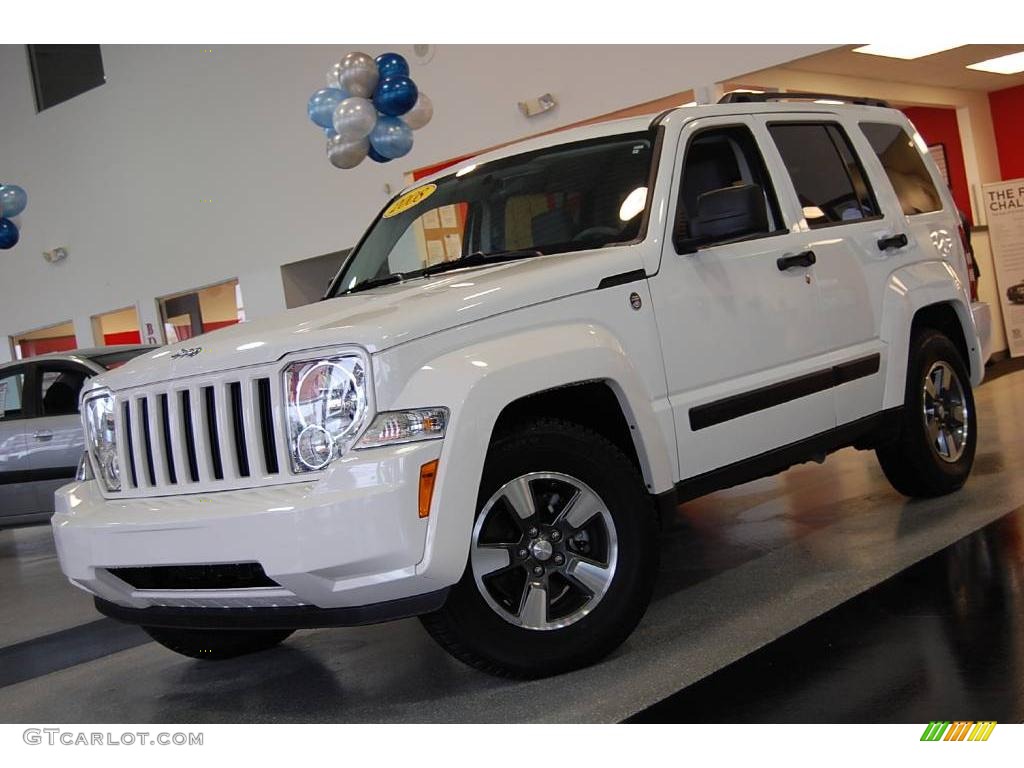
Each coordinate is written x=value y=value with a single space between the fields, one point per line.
x=563 y=556
x=217 y=644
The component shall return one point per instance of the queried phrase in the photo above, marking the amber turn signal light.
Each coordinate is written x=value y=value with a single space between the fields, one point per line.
x=428 y=474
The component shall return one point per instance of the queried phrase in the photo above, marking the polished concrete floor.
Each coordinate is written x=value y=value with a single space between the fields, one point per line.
x=817 y=595
x=944 y=639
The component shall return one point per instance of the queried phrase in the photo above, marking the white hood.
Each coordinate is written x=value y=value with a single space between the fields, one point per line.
x=382 y=317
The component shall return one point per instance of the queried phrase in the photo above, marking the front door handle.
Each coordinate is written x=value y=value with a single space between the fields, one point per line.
x=893 y=241
x=805 y=259
x=43 y=435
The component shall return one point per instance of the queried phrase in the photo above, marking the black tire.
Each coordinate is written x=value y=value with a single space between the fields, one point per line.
x=910 y=462
x=217 y=644
x=474 y=632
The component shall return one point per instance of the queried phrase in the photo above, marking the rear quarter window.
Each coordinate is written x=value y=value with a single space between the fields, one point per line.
x=904 y=166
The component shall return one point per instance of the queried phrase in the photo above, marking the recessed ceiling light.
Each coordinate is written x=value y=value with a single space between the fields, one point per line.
x=1010 y=64
x=904 y=50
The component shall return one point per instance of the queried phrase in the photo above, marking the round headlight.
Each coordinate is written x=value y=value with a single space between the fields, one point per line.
x=327 y=405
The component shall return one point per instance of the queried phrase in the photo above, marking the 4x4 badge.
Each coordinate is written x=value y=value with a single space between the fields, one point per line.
x=187 y=352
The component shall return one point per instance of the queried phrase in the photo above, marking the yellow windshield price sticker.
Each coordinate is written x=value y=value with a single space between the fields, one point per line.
x=411 y=198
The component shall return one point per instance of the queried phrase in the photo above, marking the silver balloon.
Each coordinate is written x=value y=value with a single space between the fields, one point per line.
x=357 y=74
x=420 y=113
x=333 y=76
x=354 y=118
x=347 y=154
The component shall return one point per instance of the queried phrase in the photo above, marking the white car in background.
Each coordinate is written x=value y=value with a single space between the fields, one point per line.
x=523 y=360
x=41 y=439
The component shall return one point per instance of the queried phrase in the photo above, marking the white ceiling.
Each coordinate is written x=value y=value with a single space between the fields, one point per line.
x=945 y=69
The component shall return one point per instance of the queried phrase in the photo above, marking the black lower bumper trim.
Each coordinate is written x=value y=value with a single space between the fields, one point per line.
x=284 y=617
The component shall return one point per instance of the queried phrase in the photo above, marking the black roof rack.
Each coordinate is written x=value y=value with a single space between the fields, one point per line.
x=745 y=97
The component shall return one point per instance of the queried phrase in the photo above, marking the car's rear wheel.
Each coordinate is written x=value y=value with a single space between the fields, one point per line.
x=217 y=644
x=938 y=434
x=562 y=560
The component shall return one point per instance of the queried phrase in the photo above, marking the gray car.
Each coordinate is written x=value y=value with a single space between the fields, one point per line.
x=41 y=437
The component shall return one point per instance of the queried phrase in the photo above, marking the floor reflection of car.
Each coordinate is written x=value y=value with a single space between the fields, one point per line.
x=41 y=438
x=1015 y=293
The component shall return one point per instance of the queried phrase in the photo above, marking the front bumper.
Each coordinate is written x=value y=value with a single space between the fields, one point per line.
x=351 y=539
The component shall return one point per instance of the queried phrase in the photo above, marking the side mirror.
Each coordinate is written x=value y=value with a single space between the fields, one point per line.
x=726 y=214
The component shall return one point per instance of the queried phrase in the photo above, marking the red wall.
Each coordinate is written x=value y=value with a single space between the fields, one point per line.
x=1008 y=119
x=938 y=126
x=123 y=337
x=33 y=347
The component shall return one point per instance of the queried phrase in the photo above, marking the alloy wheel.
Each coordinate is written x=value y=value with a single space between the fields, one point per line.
x=946 y=415
x=544 y=550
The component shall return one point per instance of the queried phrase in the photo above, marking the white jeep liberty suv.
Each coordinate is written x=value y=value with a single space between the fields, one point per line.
x=522 y=362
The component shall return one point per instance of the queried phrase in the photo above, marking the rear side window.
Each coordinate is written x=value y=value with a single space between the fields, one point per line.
x=829 y=182
x=904 y=166
x=11 y=387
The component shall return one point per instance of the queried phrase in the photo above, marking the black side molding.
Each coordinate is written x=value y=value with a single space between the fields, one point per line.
x=729 y=408
x=284 y=617
x=622 y=279
x=867 y=432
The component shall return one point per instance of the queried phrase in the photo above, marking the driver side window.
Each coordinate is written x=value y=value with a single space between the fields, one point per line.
x=725 y=192
x=59 y=389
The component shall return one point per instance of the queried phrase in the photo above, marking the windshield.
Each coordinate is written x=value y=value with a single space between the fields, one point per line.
x=569 y=197
x=112 y=360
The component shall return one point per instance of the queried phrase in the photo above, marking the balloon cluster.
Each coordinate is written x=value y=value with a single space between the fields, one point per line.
x=369 y=108
x=12 y=202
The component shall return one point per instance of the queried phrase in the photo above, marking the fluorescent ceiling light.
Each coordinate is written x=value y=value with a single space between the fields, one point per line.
x=1010 y=64
x=904 y=50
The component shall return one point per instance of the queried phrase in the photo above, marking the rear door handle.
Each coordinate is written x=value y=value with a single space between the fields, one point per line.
x=893 y=241
x=43 y=435
x=805 y=259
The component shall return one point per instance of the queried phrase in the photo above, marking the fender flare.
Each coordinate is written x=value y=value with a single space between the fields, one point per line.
x=909 y=290
x=476 y=382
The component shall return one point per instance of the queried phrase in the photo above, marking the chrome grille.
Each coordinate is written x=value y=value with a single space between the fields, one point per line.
x=194 y=436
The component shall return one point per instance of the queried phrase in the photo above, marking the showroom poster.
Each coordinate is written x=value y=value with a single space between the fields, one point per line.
x=1004 y=206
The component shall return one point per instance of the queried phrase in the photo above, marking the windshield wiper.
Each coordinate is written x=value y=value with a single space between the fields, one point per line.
x=375 y=282
x=478 y=258
x=475 y=259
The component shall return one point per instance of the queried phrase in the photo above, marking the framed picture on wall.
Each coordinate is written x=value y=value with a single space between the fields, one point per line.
x=938 y=153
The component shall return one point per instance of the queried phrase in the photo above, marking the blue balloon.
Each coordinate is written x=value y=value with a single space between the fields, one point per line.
x=8 y=234
x=13 y=200
x=395 y=95
x=373 y=154
x=392 y=65
x=330 y=133
x=322 y=104
x=391 y=137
